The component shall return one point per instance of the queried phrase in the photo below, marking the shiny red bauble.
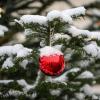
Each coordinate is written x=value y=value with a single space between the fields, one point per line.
x=52 y=64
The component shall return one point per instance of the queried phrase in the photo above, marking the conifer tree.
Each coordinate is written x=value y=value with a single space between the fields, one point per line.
x=63 y=66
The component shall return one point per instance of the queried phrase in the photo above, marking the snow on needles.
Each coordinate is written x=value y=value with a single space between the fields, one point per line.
x=25 y=86
x=17 y=50
x=56 y=92
x=65 y=16
x=75 y=32
x=75 y=11
x=58 y=36
x=37 y=19
x=5 y=81
x=91 y=90
x=8 y=63
x=91 y=49
x=63 y=78
x=86 y=74
x=53 y=14
x=2 y=30
x=91 y=35
x=24 y=63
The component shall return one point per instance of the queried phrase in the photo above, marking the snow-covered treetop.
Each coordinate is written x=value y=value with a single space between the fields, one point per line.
x=65 y=16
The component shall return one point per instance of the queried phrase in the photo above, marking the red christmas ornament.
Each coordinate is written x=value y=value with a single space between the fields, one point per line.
x=51 y=61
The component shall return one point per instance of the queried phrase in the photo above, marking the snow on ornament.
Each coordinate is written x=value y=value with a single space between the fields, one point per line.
x=51 y=61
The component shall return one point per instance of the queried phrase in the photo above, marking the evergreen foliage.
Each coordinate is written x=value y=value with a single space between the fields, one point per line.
x=20 y=77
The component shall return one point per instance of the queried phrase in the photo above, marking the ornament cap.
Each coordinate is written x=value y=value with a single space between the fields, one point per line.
x=48 y=50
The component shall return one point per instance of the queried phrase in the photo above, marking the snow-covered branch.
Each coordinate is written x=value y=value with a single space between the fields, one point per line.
x=18 y=50
x=65 y=16
x=91 y=35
